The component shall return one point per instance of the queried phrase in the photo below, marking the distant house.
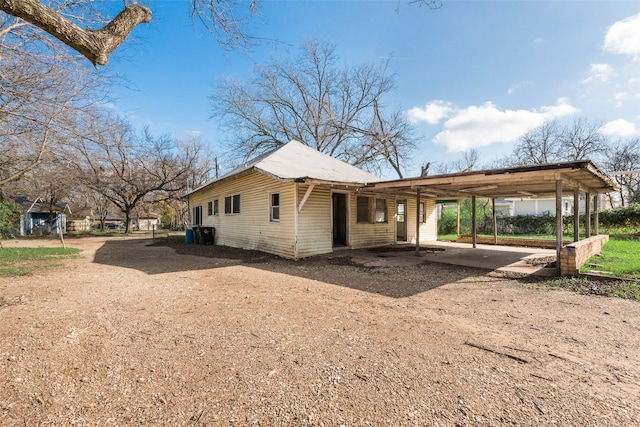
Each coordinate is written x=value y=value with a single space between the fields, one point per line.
x=296 y=202
x=38 y=217
x=146 y=222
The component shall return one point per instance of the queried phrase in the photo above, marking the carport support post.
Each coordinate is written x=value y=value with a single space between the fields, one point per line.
x=495 y=221
x=418 y=222
x=576 y=214
x=558 y=222
x=595 y=214
x=587 y=215
x=473 y=221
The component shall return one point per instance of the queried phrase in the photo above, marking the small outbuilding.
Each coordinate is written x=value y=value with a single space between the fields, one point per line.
x=296 y=202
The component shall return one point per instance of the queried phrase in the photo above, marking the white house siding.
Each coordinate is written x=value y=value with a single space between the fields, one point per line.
x=364 y=235
x=251 y=228
x=428 y=229
x=314 y=221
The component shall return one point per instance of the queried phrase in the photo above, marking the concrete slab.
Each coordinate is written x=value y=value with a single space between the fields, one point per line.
x=506 y=259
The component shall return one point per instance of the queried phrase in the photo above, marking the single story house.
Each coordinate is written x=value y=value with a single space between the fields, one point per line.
x=39 y=218
x=296 y=202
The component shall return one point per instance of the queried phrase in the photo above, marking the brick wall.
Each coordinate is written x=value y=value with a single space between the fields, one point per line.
x=574 y=255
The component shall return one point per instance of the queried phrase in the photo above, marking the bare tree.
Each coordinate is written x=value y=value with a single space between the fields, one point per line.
x=582 y=140
x=622 y=161
x=338 y=110
x=540 y=145
x=127 y=168
x=468 y=162
x=72 y=22
x=42 y=89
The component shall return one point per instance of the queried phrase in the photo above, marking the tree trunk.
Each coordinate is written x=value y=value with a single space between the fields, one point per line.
x=95 y=45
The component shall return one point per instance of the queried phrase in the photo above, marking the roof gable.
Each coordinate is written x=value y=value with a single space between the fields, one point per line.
x=295 y=161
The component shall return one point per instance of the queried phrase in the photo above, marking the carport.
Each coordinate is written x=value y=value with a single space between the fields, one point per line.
x=549 y=180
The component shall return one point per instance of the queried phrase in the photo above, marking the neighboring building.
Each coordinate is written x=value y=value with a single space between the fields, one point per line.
x=146 y=222
x=296 y=202
x=38 y=218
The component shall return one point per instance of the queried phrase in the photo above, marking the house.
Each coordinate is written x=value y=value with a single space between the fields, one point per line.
x=146 y=222
x=296 y=202
x=39 y=218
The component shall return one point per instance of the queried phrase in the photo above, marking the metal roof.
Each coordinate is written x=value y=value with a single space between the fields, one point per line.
x=526 y=181
x=297 y=162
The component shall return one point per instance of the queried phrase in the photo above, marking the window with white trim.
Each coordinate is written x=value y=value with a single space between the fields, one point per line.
x=274 y=210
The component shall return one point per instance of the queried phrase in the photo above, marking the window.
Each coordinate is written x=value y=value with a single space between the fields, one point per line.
x=421 y=214
x=363 y=209
x=210 y=208
x=274 y=215
x=215 y=207
x=232 y=204
x=381 y=210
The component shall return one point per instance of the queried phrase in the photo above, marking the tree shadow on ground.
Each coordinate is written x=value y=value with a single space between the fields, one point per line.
x=170 y=255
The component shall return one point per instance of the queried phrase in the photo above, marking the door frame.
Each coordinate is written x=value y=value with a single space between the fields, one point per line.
x=404 y=201
x=347 y=203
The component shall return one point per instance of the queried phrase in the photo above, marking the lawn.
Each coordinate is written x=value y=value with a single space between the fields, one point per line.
x=23 y=261
x=619 y=257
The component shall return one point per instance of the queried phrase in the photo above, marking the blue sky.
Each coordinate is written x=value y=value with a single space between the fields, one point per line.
x=471 y=74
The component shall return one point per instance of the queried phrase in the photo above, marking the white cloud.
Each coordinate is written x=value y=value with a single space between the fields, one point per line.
x=599 y=72
x=518 y=86
x=623 y=37
x=620 y=98
x=479 y=126
x=619 y=127
x=432 y=113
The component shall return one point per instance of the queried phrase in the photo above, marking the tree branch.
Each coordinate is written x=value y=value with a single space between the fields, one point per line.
x=95 y=45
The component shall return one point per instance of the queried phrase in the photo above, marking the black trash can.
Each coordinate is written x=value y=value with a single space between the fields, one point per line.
x=196 y=235
x=207 y=235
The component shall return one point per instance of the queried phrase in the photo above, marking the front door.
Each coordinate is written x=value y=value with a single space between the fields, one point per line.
x=401 y=221
x=339 y=208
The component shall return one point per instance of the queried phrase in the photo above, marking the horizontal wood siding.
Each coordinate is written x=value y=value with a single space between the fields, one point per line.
x=364 y=235
x=428 y=229
x=251 y=228
x=314 y=229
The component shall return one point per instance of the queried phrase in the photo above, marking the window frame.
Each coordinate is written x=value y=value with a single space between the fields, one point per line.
x=384 y=210
x=273 y=208
x=232 y=204
x=210 y=208
x=216 y=210
x=359 y=217
x=423 y=208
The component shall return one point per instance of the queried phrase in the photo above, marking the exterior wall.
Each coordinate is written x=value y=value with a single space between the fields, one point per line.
x=574 y=255
x=251 y=228
x=428 y=229
x=364 y=235
x=314 y=221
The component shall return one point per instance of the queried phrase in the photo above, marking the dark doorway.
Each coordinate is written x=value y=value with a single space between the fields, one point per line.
x=339 y=207
x=401 y=221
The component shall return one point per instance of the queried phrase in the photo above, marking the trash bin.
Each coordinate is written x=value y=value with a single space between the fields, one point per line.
x=207 y=235
x=188 y=235
x=196 y=235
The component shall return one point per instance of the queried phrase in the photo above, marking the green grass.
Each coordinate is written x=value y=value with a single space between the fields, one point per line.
x=24 y=261
x=619 y=257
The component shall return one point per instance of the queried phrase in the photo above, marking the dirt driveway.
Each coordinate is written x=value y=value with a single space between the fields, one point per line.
x=133 y=334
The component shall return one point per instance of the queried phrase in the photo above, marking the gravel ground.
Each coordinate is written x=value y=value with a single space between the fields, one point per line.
x=177 y=334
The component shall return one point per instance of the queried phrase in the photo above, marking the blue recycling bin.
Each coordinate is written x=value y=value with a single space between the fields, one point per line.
x=188 y=236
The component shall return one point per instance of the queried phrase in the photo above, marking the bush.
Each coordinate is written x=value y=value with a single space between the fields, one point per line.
x=9 y=218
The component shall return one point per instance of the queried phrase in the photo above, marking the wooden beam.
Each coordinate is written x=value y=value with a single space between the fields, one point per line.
x=596 y=230
x=474 y=236
x=576 y=214
x=558 y=222
x=587 y=215
x=495 y=221
x=305 y=197
x=417 y=221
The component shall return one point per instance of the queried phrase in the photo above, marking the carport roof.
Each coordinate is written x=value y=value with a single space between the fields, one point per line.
x=526 y=181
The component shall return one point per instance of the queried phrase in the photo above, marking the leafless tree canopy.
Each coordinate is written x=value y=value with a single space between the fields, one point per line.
x=225 y=20
x=42 y=89
x=338 y=110
x=129 y=168
x=624 y=156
